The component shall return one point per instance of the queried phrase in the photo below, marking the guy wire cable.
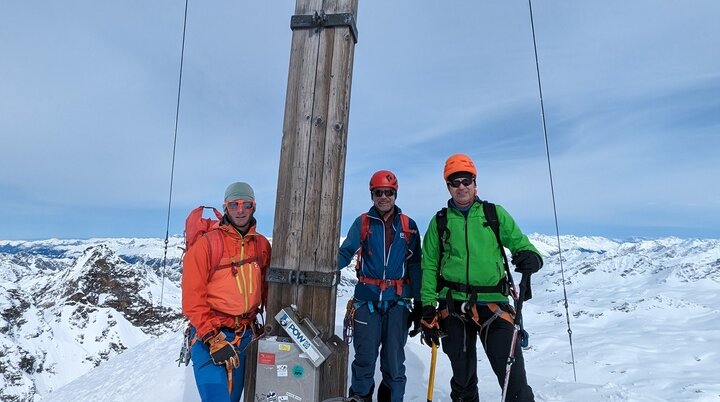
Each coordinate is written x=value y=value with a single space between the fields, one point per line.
x=552 y=187
x=172 y=166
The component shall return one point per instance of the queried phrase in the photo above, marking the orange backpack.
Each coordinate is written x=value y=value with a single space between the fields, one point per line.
x=196 y=226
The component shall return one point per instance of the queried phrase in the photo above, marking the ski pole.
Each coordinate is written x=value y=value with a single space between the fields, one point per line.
x=431 y=380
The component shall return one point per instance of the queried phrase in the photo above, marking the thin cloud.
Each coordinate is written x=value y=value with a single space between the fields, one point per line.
x=88 y=106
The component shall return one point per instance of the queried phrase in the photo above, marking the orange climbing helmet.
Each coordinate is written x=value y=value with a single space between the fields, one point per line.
x=383 y=178
x=459 y=163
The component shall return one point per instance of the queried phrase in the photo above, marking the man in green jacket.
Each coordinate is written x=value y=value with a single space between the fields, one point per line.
x=465 y=286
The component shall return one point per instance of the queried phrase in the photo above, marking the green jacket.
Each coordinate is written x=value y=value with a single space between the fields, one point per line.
x=471 y=255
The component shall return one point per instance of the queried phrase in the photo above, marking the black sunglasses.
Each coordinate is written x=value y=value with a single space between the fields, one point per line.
x=379 y=193
x=457 y=182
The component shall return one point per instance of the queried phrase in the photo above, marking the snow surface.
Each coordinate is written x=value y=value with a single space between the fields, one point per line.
x=641 y=331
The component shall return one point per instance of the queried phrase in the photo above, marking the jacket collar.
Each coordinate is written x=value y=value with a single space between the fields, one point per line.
x=229 y=228
x=376 y=214
x=451 y=204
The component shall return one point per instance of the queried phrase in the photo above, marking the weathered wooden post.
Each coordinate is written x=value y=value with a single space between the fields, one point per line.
x=310 y=184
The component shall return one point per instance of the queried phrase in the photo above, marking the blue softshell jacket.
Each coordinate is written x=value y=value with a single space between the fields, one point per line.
x=401 y=261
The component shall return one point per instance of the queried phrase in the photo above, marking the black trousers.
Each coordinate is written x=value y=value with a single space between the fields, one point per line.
x=460 y=345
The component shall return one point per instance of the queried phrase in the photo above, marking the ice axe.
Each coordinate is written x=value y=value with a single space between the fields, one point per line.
x=431 y=380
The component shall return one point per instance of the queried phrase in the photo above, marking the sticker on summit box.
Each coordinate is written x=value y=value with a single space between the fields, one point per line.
x=298 y=371
x=282 y=370
x=285 y=347
x=266 y=358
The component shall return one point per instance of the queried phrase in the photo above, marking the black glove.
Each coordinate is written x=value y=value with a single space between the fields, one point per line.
x=414 y=318
x=430 y=326
x=221 y=352
x=527 y=262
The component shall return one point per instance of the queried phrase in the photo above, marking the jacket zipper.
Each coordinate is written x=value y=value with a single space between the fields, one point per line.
x=386 y=254
x=250 y=275
x=241 y=274
x=467 y=253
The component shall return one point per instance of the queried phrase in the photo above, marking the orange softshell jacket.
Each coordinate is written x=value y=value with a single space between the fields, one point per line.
x=215 y=297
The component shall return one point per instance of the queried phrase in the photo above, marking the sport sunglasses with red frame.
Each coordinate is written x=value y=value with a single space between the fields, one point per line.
x=235 y=204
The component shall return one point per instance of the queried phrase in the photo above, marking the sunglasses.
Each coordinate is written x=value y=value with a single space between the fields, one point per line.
x=457 y=182
x=233 y=205
x=379 y=193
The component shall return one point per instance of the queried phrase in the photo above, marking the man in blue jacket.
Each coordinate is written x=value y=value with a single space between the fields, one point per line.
x=387 y=244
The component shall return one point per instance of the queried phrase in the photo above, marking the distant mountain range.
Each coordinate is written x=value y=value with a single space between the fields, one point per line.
x=68 y=305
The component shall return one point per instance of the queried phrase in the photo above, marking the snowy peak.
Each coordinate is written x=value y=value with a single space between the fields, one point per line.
x=101 y=279
x=80 y=306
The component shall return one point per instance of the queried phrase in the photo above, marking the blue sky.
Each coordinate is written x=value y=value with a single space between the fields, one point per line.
x=631 y=90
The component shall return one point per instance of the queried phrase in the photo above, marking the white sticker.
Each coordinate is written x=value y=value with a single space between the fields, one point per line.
x=294 y=396
x=283 y=398
x=282 y=370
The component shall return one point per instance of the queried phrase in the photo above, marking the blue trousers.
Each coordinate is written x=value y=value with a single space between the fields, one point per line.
x=211 y=380
x=384 y=328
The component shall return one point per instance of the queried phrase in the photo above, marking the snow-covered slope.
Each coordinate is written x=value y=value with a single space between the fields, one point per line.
x=645 y=319
x=67 y=306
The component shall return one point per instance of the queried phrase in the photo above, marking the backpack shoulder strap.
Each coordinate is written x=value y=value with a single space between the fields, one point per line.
x=442 y=232
x=364 y=227
x=492 y=219
x=364 y=234
x=405 y=223
x=217 y=248
x=494 y=224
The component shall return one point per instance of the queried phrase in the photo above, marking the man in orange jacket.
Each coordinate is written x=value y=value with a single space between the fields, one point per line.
x=222 y=301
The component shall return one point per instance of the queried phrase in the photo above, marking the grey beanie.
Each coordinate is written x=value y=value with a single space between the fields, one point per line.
x=239 y=191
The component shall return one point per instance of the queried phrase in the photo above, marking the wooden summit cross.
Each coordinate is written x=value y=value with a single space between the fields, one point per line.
x=306 y=232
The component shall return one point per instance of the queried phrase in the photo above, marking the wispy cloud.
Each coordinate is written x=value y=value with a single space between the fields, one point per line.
x=631 y=96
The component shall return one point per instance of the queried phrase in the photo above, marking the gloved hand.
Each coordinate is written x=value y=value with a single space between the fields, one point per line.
x=430 y=326
x=222 y=352
x=527 y=262
x=415 y=317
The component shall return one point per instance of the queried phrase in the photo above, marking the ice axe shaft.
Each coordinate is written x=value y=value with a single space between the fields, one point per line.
x=431 y=380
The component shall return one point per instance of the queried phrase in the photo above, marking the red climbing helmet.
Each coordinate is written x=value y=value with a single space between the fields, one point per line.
x=383 y=178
